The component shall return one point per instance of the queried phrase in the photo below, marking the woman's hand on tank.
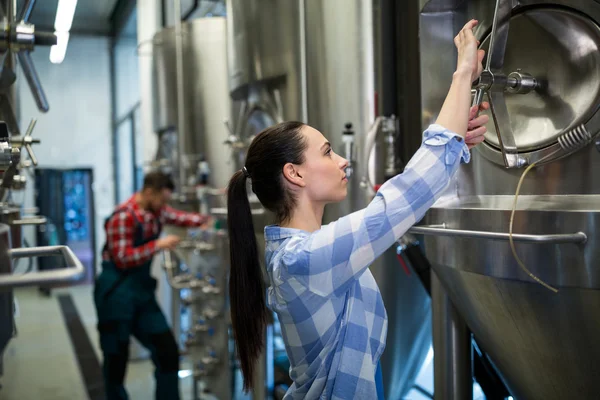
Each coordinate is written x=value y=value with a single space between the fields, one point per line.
x=469 y=58
x=476 y=128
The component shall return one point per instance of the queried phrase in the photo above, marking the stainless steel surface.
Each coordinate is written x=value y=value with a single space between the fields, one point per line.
x=73 y=273
x=9 y=214
x=542 y=343
x=206 y=94
x=558 y=103
x=492 y=78
x=451 y=348
x=7 y=322
x=265 y=49
x=183 y=128
x=341 y=82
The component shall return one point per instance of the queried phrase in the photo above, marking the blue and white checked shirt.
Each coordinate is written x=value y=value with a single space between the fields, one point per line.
x=332 y=317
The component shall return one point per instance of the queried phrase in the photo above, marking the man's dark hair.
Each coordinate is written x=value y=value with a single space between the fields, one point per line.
x=158 y=181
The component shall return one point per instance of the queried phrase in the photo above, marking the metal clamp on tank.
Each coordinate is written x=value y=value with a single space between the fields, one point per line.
x=19 y=37
x=25 y=142
x=494 y=83
x=348 y=139
x=387 y=126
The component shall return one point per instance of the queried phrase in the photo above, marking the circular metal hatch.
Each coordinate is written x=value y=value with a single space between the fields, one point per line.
x=559 y=48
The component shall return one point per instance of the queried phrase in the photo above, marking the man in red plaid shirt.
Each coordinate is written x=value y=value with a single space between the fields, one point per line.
x=124 y=291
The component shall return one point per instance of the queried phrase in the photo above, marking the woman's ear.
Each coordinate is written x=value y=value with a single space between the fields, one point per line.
x=292 y=175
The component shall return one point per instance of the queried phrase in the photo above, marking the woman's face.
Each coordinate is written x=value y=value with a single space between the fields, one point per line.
x=323 y=170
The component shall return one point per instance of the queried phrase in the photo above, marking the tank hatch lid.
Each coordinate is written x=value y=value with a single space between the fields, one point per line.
x=559 y=48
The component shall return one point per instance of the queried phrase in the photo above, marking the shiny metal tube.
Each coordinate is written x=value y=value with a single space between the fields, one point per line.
x=181 y=110
x=73 y=273
x=441 y=230
x=303 y=66
x=30 y=221
x=26 y=11
x=33 y=80
x=451 y=348
x=11 y=8
x=174 y=281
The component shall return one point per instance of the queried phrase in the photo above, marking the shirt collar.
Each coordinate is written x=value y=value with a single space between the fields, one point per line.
x=276 y=232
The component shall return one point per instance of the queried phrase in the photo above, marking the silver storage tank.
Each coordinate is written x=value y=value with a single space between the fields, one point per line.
x=207 y=104
x=544 y=344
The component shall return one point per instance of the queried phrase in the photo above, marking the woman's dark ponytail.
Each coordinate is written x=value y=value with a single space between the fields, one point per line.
x=246 y=285
x=269 y=151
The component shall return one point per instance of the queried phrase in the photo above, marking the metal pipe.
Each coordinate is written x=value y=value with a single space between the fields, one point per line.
x=30 y=221
x=11 y=10
x=181 y=126
x=441 y=230
x=303 y=66
x=452 y=349
x=75 y=271
x=169 y=266
x=26 y=11
x=33 y=80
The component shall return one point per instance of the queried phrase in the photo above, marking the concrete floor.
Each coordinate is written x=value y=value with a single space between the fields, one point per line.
x=39 y=363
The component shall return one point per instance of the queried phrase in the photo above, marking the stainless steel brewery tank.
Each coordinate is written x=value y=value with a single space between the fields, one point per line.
x=191 y=104
x=543 y=343
x=207 y=104
x=313 y=61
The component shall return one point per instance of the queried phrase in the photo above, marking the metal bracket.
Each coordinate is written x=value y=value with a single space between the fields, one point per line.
x=494 y=83
x=74 y=272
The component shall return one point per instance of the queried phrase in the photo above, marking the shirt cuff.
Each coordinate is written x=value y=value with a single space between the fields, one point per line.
x=152 y=247
x=437 y=135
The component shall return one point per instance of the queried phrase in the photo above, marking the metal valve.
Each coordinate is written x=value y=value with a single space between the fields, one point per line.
x=26 y=141
x=348 y=140
x=17 y=39
x=494 y=82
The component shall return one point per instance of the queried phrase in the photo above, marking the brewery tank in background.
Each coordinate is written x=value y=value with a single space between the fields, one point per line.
x=545 y=91
x=191 y=105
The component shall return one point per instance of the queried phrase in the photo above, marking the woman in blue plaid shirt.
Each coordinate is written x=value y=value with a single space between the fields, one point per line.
x=331 y=312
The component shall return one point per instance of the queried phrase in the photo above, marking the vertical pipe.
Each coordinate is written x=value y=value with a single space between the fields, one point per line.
x=11 y=10
x=452 y=359
x=113 y=115
x=181 y=125
x=133 y=152
x=303 y=67
x=176 y=314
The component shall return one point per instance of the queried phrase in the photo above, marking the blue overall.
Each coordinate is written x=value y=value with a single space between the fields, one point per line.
x=126 y=305
x=379 y=382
